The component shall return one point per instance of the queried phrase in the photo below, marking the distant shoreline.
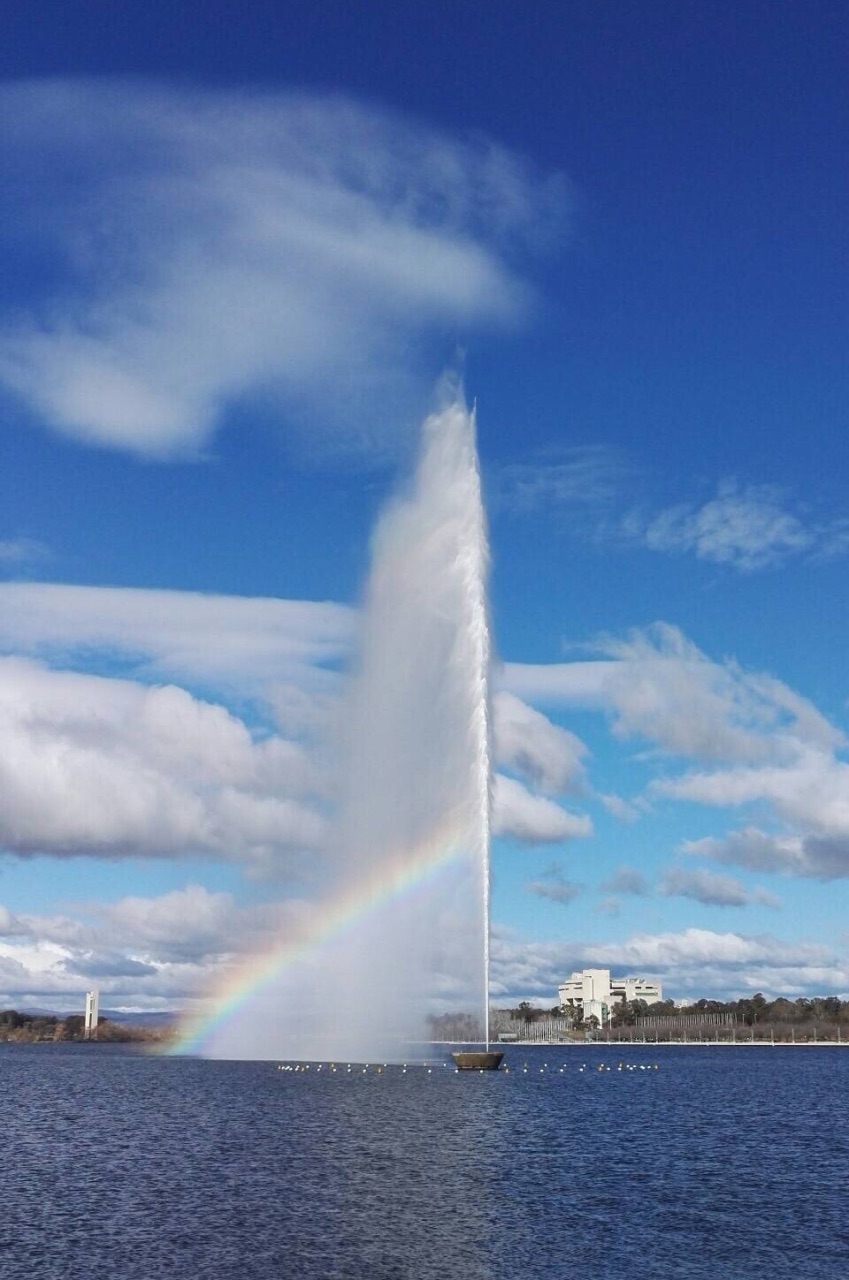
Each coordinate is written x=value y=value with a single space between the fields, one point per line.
x=685 y=1044
x=661 y=1044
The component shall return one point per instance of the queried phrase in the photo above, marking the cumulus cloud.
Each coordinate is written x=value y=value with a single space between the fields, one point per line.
x=532 y=819
x=110 y=767
x=609 y=906
x=209 y=245
x=712 y=889
x=149 y=953
x=758 y=742
x=626 y=880
x=750 y=742
x=285 y=653
x=667 y=691
x=810 y=791
x=544 y=754
x=691 y=963
x=807 y=798
x=165 y=951
x=624 y=810
x=553 y=885
x=190 y=924
x=823 y=857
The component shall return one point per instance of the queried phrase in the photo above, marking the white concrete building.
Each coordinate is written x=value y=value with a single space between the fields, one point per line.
x=91 y=1014
x=594 y=992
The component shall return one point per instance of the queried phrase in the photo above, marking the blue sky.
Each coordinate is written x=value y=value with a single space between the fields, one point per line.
x=238 y=252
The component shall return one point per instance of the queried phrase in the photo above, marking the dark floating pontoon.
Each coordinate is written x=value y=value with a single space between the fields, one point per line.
x=478 y=1060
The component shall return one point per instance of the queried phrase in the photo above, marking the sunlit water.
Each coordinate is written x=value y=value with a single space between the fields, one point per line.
x=722 y=1163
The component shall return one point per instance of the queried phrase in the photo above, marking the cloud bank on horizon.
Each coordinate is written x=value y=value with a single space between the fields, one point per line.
x=210 y=248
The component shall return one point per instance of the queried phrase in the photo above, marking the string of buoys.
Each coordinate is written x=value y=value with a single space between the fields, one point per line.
x=351 y=1068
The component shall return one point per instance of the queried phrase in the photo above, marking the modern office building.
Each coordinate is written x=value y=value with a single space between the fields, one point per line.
x=594 y=992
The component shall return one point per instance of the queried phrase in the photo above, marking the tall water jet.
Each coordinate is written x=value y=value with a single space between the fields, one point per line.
x=419 y=779
x=401 y=934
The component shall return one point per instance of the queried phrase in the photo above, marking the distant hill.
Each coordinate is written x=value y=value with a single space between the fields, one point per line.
x=142 y=1018
x=129 y=1018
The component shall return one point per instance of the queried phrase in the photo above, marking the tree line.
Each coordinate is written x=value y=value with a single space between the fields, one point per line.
x=37 y=1028
x=752 y=1017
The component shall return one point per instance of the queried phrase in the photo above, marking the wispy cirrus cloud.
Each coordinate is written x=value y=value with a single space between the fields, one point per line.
x=605 y=498
x=659 y=687
x=205 y=246
x=226 y=641
x=587 y=476
x=746 y=527
x=22 y=551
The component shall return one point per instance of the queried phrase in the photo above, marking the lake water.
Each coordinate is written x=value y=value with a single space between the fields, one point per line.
x=722 y=1163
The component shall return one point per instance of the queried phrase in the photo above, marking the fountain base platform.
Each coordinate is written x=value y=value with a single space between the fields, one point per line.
x=490 y=1060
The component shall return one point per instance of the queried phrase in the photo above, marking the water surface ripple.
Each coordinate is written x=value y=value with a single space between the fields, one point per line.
x=727 y=1163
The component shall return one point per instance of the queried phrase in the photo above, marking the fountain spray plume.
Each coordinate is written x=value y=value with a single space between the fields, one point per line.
x=402 y=935
x=420 y=747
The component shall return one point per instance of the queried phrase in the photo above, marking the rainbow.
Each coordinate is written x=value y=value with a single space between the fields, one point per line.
x=391 y=880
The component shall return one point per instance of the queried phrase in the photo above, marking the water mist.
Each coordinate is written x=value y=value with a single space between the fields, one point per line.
x=408 y=936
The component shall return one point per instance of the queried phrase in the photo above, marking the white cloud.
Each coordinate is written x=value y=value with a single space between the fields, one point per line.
x=691 y=963
x=230 y=641
x=713 y=890
x=667 y=691
x=109 y=767
x=609 y=907
x=808 y=796
x=747 y=528
x=553 y=885
x=626 y=880
x=544 y=754
x=823 y=857
x=213 y=245
x=582 y=476
x=560 y=684
x=166 y=951
x=624 y=810
x=22 y=551
x=532 y=819
x=655 y=686
x=186 y=925
x=157 y=952
x=756 y=743
x=658 y=686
